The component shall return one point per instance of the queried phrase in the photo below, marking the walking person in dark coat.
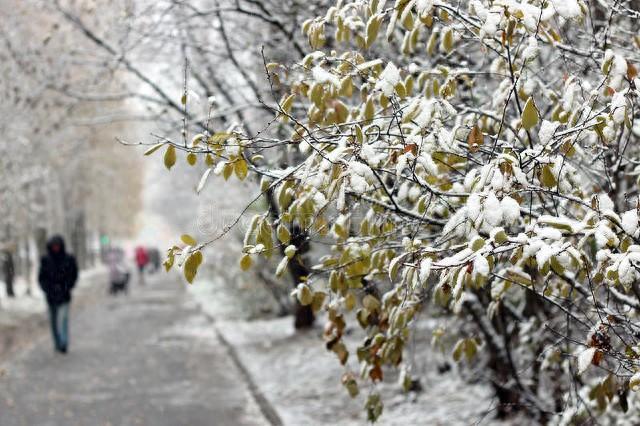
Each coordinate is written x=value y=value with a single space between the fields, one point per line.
x=57 y=277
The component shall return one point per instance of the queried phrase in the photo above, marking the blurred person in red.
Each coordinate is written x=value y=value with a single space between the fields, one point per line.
x=142 y=259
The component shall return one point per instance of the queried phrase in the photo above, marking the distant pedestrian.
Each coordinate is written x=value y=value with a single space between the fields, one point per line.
x=118 y=273
x=154 y=259
x=142 y=259
x=57 y=277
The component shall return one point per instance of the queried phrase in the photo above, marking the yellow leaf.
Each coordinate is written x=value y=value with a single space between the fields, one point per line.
x=154 y=148
x=227 y=170
x=346 y=87
x=245 y=262
x=188 y=240
x=447 y=40
x=359 y=134
x=219 y=138
x=240 y=168
x=191 y=158
x=305 y=296
x=529 y=114
x=284 y=236
x=191 y=266
x=547 y=179
x=373 y=26
x=170 y=157
x=286 y=105
x=282 y=267
x=369 y=110
x=342 y=113
x=317 y=301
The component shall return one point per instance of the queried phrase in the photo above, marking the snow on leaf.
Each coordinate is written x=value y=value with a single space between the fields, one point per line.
x=510 y=210
x=203 y=180
x=388 y=79
x=492 y=210
x=481 y=266
x=585 y=358
x=567 y=8
x=604 y=203
x=425 y=270
x=547 y=129
x=424 y=6
x=322 y=76
x=532 y=50
x=634 y=382
x=630 y=221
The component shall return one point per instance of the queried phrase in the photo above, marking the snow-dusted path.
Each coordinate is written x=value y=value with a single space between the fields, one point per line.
x=150 y=358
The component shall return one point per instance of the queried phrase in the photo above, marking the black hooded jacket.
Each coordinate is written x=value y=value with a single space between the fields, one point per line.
x=58 y=273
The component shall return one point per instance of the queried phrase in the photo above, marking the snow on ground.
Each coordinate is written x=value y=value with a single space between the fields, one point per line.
x=302 y=380
x=30 y=300
x=25 y=316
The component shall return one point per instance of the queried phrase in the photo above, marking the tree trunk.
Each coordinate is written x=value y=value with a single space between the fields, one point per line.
x=8 y=267
x=41 y=242
x=304 y=317
x=79 y=240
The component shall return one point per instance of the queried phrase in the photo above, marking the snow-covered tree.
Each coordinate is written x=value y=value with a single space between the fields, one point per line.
x=476 y=158
x=58 y=173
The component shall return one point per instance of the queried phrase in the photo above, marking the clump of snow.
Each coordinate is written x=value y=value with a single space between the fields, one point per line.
x=481 y=266
x=585 y=358
x=547 y=129
x=567 y=8
x=320 y=75
x=618 y=107
x=388 y=79
x=492 y=210
x=532 y=50
x=604 y=202
x=630 y=221
x=510 y=210
x=424 y=6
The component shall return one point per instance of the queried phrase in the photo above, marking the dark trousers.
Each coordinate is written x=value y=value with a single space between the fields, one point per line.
x=59 y=319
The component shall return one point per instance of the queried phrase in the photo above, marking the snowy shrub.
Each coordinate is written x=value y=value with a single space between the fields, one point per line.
x=476 y=158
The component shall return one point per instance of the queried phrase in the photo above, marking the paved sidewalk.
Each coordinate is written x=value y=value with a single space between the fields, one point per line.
x=150 y=358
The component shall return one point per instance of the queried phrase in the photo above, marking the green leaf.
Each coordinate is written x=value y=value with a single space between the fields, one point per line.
x=530 y=114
